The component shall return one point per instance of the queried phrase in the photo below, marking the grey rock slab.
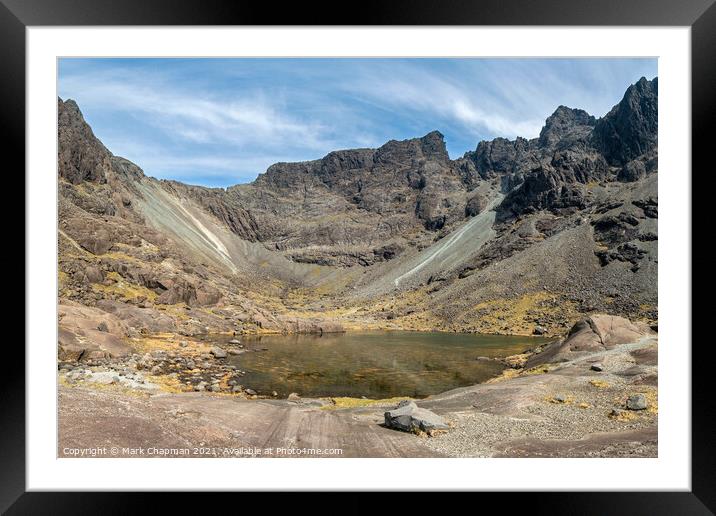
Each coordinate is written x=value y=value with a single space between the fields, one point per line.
x=408 y=417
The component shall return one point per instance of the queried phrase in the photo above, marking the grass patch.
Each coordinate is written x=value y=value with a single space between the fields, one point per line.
x=599 y=384
x=346 y=402
x=62 y=279
x=119 y=287
x=169 y=384
x=516 y=315
x=652 y=406
x=123 y=257
x=103 y=387
x=169 y=342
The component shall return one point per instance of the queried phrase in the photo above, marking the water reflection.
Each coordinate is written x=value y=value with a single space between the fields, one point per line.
x=371 y=364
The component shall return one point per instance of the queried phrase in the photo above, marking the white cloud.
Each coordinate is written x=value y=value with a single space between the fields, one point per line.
x=410 y=88
x=246 y=119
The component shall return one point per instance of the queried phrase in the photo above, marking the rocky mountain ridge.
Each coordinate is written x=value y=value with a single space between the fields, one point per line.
x=398 y=236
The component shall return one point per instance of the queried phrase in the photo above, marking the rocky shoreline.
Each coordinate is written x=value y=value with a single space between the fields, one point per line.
x=592 y=393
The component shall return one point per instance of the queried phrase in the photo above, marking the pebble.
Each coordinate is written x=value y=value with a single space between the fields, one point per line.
x=250 y=392
x=597 y=367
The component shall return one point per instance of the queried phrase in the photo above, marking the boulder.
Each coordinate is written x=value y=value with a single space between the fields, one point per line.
x=218 y=352
x=97 y=242
x=91 y=274
x=408 y=417
x=636 y=402
x=598 y=332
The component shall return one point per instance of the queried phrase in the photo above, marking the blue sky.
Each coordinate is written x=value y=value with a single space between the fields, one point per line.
x=219 y=122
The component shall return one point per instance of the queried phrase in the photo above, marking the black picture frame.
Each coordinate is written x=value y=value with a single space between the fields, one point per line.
x=700 y=15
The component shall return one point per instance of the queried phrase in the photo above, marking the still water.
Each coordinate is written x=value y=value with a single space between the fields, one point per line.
x=371 y=364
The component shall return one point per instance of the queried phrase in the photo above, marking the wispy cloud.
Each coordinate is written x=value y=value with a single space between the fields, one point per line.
x=410 y=88
x=248 y=118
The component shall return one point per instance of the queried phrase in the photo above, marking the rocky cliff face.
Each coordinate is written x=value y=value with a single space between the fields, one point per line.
x=352 y=207
x=574 y=150
x=401 y=233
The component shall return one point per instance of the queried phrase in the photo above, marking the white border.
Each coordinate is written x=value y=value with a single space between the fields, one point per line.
x=670 y=471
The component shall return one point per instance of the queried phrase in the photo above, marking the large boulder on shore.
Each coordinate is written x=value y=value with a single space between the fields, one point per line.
x=408 y=417
x=598 y=332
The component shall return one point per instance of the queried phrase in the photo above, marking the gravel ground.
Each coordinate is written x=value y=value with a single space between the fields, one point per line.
x=576 y=408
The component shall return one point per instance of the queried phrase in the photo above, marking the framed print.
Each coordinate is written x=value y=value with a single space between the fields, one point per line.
x=418 y=252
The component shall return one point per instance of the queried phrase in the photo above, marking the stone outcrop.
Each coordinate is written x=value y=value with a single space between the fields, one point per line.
x=88 y=333
x=81 y=156
x=629 y=130
x=181 y=291
x=574 y=150
x=597 y=332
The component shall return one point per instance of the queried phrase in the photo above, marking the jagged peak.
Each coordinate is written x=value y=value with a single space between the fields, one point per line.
x=630 y=128
x=433 y=144
x=644 y=83
x=433 y=136
x=563 y=121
